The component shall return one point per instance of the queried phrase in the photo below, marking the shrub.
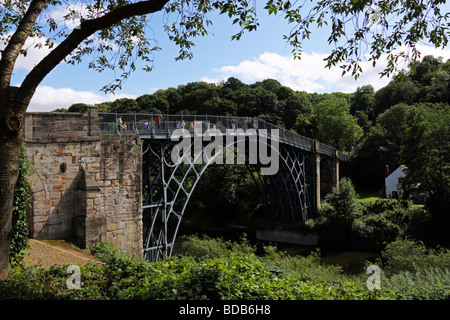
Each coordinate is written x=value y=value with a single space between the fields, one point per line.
x=412 y=271
x=206 y=247
x=345 y=222
x=104 y=251
x=412 y=256
x=336 y=216
x=428 y=284
x=382 y=221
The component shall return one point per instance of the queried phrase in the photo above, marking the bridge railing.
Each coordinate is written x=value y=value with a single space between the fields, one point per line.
x=146 y=123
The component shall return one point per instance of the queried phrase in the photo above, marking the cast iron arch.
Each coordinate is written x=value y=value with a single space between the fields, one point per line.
x=170 y=182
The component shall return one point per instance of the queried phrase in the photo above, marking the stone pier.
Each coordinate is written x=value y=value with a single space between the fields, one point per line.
x=86 y=186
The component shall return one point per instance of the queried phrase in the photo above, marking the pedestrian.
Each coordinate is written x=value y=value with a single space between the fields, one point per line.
x=119 y=123
x=233 y=124
x=248 y=121
x=158 y=123
x=255 y=123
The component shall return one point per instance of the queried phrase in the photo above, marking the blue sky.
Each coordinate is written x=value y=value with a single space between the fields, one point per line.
x=257 y=56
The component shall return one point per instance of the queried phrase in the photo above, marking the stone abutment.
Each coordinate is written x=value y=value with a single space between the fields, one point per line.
x=86 y=186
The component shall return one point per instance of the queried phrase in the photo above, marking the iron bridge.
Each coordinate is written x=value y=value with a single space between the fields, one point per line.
x=177 y=149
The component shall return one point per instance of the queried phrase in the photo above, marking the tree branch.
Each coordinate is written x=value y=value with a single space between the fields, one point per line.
x=15 y=44
x=87 y=28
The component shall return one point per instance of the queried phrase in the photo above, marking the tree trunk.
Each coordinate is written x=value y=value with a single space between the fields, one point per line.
x=10 y=140
x=13 y=103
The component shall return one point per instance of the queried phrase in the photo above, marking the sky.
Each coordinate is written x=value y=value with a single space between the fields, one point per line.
x=258 y=55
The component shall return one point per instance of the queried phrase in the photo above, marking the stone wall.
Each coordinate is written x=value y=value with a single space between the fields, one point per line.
x=86 y=187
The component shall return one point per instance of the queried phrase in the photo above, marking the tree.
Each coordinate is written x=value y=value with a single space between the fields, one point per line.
x=335 y=125
x=426 y=154
x=152 y=103
x=200 y=95
x=125 y=105
x=421 y=71
x=294 y=105
x=400 y=89
x=112 y=33
x=77 y=107
x=381 y=148
x=363 y=101
x=361 y=29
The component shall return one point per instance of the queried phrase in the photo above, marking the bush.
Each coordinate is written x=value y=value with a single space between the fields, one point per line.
x=412 y=271
x=206 y=247
x=104 y=251
x=405 y=255
x=344 y=222
x=336 y=216
x=428 y=284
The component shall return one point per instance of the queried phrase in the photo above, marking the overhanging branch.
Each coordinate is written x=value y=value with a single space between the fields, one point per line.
x=87 y=28
x=15 y=44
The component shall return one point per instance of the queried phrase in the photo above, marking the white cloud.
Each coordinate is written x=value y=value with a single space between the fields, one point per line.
x=48 y=98
x=69 y=15
x=34 y=53
x=309 y=74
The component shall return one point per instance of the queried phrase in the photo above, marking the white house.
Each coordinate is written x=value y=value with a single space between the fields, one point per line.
x=393 y=188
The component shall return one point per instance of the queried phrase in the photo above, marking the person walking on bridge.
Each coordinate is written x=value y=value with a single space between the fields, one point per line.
x=119 y=123
x=158 y=123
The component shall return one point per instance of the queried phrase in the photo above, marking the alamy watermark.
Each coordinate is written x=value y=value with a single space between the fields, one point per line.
x=74 y=281
x=373 y=18
x=374 y=280
x=222 y=144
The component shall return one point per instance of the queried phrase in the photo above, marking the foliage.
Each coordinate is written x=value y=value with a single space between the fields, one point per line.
x=336 y=216
x=22 y=200
x=104 y=251
x=206 y=247
x=362 y=104
x=428 y=284
x=334 y=125
x=426 y=154
x=413 y=271
x=359 y=23
x=237 y=275
x=383 y=221
x=346 y=222
x=400 y=108
x=412 y=256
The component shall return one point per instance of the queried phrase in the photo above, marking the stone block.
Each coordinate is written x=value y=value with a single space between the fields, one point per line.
x=89 y=230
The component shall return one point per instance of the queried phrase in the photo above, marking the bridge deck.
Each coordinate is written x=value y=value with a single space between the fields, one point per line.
x=148 y=127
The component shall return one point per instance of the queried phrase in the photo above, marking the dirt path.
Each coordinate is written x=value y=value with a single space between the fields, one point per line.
x=50 y=252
